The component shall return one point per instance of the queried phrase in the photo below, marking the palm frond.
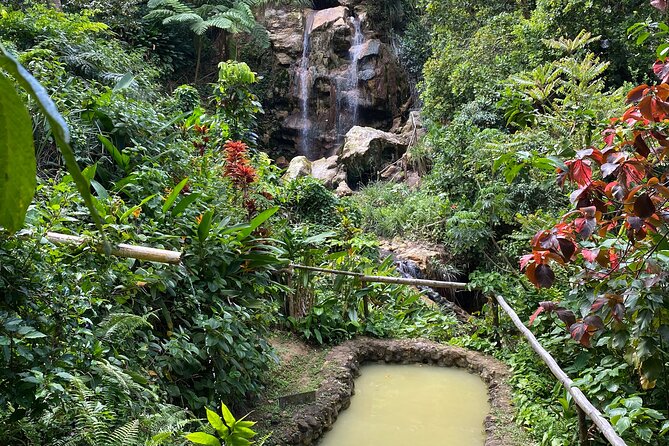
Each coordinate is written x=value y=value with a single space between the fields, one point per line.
x=221 y=22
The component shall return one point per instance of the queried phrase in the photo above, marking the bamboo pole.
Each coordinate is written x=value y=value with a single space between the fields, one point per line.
x=579 y=398
x=386 y=279
x=121 y=250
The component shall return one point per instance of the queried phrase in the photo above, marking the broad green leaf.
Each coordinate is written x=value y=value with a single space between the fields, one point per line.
x=227 y=415
x=235 y=228
x=124 y=82
x=17 y=158
x=127 y=213
x=119 y=158
x=204 y=227
x=99 y=189
x=236 y=440
x=216 y=422
x=263 y=217
x=58 y=126
x=319 y=238
x=203 y=438
x=184 y=203
x=256 y=222
x=34 y=334
x=171 y=198
x=623 y=424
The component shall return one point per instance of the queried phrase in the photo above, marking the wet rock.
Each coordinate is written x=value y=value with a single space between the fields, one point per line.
x=331 y=17
x=382 y=84
x=285 y=32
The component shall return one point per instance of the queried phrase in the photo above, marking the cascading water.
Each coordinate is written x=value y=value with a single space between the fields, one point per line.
x=348 y=91
x=304 y=88
x=356 y=47
x=410 y=270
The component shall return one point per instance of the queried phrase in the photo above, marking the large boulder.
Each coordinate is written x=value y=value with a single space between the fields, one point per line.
x=367 y=151
x=299 y=166
x=329 y=171
x=331 y=17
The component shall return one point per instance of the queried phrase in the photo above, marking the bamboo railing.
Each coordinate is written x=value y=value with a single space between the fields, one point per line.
x=583 y=405
x=120 y=250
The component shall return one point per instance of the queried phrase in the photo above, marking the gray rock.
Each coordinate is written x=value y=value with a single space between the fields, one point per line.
x=299 y=166
x=343 y=190
x=329 y=171
x=382 y=85
x=367 y=151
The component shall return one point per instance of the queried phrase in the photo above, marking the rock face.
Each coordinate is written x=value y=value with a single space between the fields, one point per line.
x=340 y=72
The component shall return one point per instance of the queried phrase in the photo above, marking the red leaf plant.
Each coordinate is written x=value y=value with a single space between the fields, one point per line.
x=620 y=210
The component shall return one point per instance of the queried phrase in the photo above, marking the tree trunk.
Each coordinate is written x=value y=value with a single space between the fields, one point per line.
x=198 y=44
x=220 y=43
x=56 y=4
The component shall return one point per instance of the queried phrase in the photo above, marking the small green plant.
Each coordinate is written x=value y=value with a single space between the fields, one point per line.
x=229 y=431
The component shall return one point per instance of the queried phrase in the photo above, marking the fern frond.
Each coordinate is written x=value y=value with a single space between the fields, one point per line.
x=159 y=14
x=187 y=18
x=570 y=46
x=118 y=326
x=221 y=22
x=175 y=5
x=126 y=435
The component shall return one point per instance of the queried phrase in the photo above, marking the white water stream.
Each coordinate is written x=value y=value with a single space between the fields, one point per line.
x=304 y=88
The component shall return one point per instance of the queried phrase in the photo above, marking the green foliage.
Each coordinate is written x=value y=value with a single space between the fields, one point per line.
x=61 y=135
x=17 y=158
x=476 y=45
x=235 y=103
x=229 y=431
x=309 y=201
x=391 y=210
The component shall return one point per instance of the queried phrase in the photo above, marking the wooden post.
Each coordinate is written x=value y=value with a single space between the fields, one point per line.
x=579 y=398
x=582 y=428
x=494 y=308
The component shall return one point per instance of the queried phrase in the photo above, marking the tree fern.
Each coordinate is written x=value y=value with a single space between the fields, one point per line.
x=119 y=326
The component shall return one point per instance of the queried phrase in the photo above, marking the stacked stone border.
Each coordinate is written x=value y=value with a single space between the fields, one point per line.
x=342 y=367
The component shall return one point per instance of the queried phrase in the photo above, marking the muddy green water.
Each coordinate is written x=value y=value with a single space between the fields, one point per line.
x=413 y=405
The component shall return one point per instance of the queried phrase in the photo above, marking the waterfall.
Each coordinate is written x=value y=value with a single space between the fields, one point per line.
x=354 y=52
x=304 y=88
x=347 y=88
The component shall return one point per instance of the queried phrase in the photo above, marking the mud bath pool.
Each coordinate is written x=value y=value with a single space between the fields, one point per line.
x=308 y=423
x=414 y=405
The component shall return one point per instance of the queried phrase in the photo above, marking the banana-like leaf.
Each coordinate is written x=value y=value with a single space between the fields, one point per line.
x=58 y=126
x=17 y=158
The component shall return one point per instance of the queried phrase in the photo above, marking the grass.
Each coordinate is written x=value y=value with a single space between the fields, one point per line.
x=301 y=369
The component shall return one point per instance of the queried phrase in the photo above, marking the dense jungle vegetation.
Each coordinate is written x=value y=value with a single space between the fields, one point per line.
x=546 y=144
